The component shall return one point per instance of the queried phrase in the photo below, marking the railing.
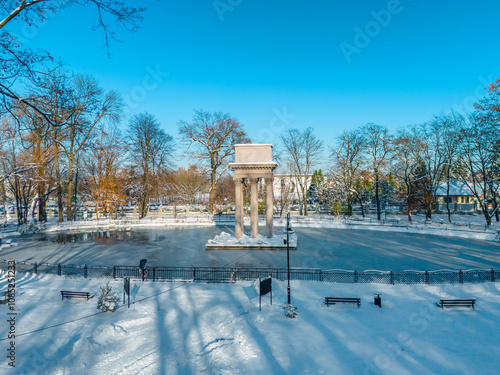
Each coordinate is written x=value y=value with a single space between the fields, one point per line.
x=226 y=274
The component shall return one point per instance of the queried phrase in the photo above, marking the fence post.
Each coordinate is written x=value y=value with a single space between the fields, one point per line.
x=59 y=270
x=35 y=269
x=154 y=273
x=392 y=277
x=114 y=272
x=194 y=273
x=320 y=275
x=460 y=277
x=492 y=275
x=85 y=271
x=427 y=277
x=355 y=276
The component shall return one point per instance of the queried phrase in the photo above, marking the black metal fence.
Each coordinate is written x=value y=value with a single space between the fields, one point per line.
x=214 y=274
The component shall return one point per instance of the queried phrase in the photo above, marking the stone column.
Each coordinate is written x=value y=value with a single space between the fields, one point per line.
x=238 y=212
x=254 y=207
x=269 y=207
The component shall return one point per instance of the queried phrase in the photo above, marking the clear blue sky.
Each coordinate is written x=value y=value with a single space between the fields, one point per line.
x=258 y=57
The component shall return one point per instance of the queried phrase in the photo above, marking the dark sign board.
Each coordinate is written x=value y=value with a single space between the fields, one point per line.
x=265 y=287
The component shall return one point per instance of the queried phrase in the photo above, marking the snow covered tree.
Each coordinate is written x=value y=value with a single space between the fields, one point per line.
x=108 y=301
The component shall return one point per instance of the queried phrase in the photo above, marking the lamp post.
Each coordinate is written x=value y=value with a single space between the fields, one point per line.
x=288 y=252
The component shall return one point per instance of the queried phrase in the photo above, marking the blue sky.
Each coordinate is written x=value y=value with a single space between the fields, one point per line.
x=282 y=64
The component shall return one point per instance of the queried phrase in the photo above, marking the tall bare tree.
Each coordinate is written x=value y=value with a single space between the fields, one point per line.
x=103 y=164
x=302 y=150
x=347 y=160
x=449 y=127
x=211 y=138
x=91 y=107
x=151 y=150
x=406 y=167
x=478 y=162
x=378 y=146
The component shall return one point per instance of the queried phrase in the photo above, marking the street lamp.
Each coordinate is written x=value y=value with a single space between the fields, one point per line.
x=288 y=230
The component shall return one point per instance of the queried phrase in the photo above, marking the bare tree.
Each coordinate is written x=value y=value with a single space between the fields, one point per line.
x=35 y=140
x=183 y=186
x=91 y=107
x=303 y=151
x=211 y=138
x=478 y=162
x=17 y=170
x=431 y=155
x=225 y=191
x=20 y=66
x=151 y=151
x=406 y=167
x=487 y=110
x=448 y=126
x=347 y=159
x=378 y=146
x=103 y=163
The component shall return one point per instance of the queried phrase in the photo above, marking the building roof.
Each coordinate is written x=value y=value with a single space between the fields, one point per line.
x=457 y=188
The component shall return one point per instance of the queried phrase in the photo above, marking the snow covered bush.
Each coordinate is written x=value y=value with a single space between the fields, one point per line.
x=108 y=301
x=31 y=227
x=290 y=311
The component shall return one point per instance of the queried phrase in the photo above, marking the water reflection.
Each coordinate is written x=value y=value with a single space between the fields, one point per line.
x=103 y=238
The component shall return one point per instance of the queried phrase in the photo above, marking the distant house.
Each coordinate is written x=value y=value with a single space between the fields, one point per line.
x=459 y=193
x=286 y=185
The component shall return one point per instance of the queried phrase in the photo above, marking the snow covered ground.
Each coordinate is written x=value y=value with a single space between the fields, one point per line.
x=188 y=328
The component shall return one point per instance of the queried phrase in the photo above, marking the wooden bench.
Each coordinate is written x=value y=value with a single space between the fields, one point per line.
x=456 y=303
x=334 y=300
x=68 y=294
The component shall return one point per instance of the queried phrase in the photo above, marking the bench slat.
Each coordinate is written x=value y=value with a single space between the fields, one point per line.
x=70 y=294
x=334 y=300
x=456 y=302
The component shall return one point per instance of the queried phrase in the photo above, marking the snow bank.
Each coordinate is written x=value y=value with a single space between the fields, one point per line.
x=187 y=328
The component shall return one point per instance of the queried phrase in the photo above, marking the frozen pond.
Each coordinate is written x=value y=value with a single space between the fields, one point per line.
x=323 y=248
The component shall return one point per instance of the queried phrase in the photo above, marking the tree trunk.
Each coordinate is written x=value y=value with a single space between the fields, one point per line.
x=484 y=207
x=69 y=192
x=42 y=199
x=377 y=198
x=212 y=193
x=495 y=207
x=448 y=194
x=58 y=183
x=305 y=202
